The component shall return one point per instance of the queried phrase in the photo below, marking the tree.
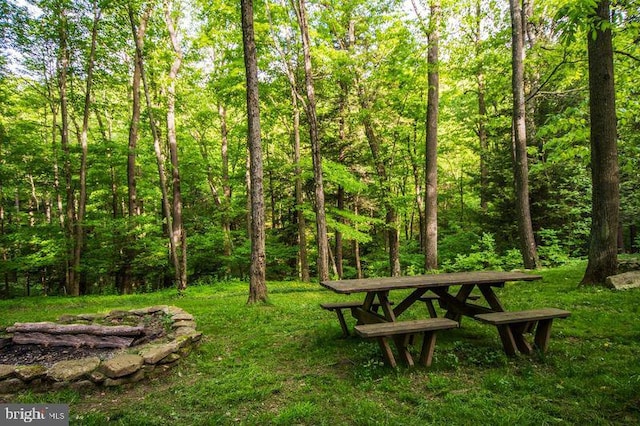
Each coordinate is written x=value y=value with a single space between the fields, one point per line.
x=178 y=233
x=519 y=139
x=431 y=157
x=257 y=277
x=316 y=155
x=603 y=260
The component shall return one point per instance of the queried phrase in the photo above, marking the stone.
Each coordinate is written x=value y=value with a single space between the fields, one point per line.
x=97 y=377
x=148 y=368
x=169 y=359
x=6 y=371
x=67 y=371
x=122 y=365
x=11 y=385
x=28 y=373
x=150 y=310
x=135 y=377
x=188 y=332
x=153 y=354
x=624 y=281
x=82 y=385
x=174 y=310
x=182 y=317
x=178 y=324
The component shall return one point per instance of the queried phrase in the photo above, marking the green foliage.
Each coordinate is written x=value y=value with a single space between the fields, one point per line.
x=484 y=255
x=550 y=249
x=369 y=63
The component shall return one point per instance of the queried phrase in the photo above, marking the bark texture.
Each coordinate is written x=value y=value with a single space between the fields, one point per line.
x=605 y=204
x=520 y=160
x=257 y=278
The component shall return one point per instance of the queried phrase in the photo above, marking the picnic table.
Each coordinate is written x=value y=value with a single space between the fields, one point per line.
x=377 y=315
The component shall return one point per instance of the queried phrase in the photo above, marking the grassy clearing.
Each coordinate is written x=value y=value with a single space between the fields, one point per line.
x=285 y=363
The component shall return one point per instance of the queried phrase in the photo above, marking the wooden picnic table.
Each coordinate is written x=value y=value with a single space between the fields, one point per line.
x=377 y=315
x=457 y=305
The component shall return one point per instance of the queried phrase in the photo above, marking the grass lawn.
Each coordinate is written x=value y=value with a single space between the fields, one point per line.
x=286 y=363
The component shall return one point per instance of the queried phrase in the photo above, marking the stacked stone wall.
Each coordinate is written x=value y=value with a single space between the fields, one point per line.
x=128 y=365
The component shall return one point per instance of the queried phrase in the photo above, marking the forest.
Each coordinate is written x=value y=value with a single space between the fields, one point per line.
x=125 y=139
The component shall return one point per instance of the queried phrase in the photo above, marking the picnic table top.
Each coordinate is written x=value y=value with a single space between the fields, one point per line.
x=426 y=281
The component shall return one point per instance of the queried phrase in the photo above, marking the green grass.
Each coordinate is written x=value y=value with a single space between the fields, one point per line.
x=285 y=363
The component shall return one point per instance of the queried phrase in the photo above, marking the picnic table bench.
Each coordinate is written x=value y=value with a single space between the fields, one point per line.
x=401 y=332
x=337 y=307
x=513 y=325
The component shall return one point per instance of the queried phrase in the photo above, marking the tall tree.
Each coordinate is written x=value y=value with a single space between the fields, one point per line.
x=62 y=66
x=431 y=157
x=519 y=139
x=257 y=276
x=125 y=280
x=482 y=105
x=79 y=231
x=178 y=233
x=316 y=155
x=605 y=204
x=296 y=99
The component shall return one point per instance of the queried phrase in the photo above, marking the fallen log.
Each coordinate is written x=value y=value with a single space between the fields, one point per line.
x=73 y=340
x=96 y=330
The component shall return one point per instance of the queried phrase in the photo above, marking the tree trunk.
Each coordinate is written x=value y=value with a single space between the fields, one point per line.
x=605 y=203
x=126 y=280
x=356 y=245
x=78 y=232
x=431 y=159
x=138 y=33
x=166 y=206
x=178 y=233
x=72 y=283
x=393 y=238
x=339 y=248
x=521 y=167
x=257 y=283
x=302 y=222
x=303 y=262
x=321 y=221
x=482 y=111
x=226 y=185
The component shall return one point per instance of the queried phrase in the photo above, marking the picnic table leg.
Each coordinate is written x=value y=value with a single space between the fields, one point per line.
x=508 y=342
x=518 y=330
x=383 y=298
x=428 y=345
x=462 y=296
x=402 y=343
x=491 y=298
x=543 y=333
x=386 y=352
x=343 y=323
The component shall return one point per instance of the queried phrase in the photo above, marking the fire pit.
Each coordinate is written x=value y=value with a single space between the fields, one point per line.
x=86 y=351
